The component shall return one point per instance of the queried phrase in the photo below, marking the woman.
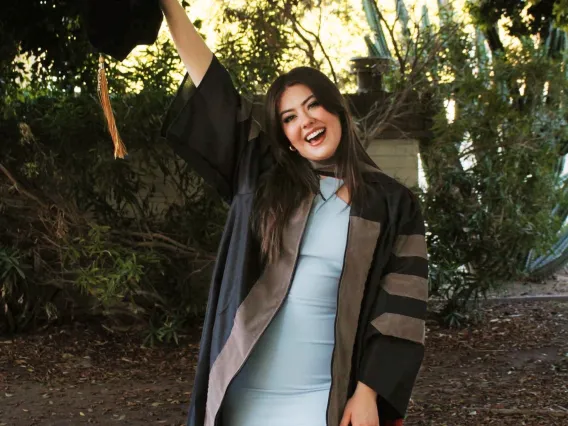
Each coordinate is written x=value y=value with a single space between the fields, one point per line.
x=317 y=303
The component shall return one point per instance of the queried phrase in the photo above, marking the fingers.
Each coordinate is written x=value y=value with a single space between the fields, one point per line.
x=346 y=417
x=348 y=420
x=362 y=424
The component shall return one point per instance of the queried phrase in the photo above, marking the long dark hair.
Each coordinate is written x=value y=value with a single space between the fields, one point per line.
x=293 y=178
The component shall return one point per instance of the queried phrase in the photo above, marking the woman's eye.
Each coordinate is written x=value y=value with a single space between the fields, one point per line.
x=288 y=118
x=314 y=104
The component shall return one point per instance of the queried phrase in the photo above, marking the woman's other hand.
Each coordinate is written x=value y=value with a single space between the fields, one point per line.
x=361 y=409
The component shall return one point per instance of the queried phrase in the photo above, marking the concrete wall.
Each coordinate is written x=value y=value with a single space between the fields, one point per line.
x=397 y=158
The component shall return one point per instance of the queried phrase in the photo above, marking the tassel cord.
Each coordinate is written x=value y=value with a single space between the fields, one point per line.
x=102 y=89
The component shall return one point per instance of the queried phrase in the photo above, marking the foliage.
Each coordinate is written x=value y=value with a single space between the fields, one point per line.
x=80 y=229
x=495 y=163
x=260 y=39
x=54 y=55
x=254 y=52
x=127 y=239
x=45 y=30
x=266 y=35
x=14 y=304
x=98 y=236
x=526 y=17
x=82 y=232
x=494 y=199
x=560 y=11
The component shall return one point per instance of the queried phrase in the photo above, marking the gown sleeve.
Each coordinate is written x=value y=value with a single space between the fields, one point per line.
x=393 y=346
x=209 y=126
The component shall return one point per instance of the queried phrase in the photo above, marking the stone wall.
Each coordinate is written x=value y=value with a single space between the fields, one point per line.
x=397 y=158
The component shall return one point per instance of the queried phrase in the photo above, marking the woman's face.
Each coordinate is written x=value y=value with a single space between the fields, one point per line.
x=312 y=130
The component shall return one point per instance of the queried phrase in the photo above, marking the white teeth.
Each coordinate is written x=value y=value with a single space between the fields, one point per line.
x=314 y=134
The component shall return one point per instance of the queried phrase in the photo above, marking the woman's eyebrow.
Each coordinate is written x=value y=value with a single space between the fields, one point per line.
x=302 y=104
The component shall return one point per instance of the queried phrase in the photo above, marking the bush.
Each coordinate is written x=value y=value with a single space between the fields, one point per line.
x=82 y=232
x=492 y=168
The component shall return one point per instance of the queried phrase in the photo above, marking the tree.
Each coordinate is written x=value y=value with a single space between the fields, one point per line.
x=50 y=33
x=495 y=200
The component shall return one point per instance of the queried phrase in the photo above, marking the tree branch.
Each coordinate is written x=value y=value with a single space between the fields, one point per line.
x=20 y=188
x=319 y=43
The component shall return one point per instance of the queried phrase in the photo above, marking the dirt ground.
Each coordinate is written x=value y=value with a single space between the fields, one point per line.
x=555 y=286
x=510 y=370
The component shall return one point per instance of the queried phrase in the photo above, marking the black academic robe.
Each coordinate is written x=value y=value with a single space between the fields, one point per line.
x=382 y=295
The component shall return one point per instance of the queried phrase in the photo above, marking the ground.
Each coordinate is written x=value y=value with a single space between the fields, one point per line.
x=512 y=369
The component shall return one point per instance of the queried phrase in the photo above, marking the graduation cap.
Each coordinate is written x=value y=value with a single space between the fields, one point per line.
x=115 y=28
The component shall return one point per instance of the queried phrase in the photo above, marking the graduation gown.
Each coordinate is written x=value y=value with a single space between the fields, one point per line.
x=382 y=295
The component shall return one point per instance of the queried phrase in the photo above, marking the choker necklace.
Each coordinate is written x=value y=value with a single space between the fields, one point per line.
x=327 y=167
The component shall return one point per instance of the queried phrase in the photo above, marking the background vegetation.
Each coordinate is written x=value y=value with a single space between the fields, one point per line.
x=83 y=234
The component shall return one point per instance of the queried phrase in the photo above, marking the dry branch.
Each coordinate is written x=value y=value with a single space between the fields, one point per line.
x=165 y=243
x=317 y=38
x=20 y=187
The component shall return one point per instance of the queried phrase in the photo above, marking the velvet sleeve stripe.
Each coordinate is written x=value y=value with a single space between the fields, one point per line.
x=404 y=285
x=411 y=246
x=393 y=346
x=398 y=314
x=401 y=326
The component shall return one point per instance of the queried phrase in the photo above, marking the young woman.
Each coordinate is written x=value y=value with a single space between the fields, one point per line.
x=317 y=303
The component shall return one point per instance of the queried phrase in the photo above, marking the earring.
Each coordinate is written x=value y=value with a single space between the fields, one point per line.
x=292 y=148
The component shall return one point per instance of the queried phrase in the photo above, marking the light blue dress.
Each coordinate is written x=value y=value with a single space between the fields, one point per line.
x=287 y=378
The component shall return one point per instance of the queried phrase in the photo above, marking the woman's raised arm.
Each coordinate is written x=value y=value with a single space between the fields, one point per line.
x=208 y=123
x=193 y=51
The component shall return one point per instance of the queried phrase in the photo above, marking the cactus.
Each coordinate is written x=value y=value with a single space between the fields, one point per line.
x=536 y=266
x=377 y=45
x=402 y=15
x=556 y=258
x=425 y=17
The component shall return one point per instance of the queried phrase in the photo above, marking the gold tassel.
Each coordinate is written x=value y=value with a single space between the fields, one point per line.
x=119 y=148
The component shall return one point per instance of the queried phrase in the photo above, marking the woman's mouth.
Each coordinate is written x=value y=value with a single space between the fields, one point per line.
x=316 y=137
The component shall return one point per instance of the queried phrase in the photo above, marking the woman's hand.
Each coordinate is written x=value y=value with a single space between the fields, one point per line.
x=361 y=409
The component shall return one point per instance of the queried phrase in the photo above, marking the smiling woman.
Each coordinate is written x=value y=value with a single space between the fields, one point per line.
x=306 y=114
x=317 y=304
x=311 y=129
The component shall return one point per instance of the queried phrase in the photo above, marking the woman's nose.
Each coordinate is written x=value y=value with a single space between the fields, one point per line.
x=307 y=120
